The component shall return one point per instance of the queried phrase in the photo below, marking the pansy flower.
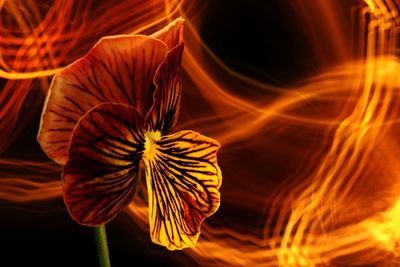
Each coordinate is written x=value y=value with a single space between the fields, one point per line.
x=110 y=112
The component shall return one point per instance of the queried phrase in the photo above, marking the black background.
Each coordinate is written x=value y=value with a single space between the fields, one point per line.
x=255 y=38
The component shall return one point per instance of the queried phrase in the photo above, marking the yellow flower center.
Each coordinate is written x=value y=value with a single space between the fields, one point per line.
x=149 y=143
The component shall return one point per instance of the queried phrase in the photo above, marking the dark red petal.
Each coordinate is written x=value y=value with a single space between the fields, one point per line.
x=167 y=96
x=168 y=80
x=183 y=179
x=172 y=34
x=117 y=69
x=100 y=176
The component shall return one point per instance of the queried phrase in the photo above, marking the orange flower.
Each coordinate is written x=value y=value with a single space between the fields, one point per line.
x=112 y=109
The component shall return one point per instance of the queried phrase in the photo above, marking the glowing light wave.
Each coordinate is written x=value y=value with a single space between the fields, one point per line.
x=336 y=132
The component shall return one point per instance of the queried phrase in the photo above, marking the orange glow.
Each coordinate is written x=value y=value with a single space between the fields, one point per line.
x=317 y=162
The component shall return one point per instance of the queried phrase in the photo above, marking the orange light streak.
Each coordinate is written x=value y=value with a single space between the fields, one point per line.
x=337 y=131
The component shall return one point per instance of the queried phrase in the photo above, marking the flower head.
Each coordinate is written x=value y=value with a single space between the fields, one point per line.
x=112 y=109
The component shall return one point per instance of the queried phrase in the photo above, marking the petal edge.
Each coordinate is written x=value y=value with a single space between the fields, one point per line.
x=172 y=34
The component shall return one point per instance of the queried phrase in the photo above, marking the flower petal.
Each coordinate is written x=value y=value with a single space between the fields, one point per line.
x=172 y=34
x=167 y=96
x=183 y=179
x=117 y=69
x=168 y=80
x=100 y=176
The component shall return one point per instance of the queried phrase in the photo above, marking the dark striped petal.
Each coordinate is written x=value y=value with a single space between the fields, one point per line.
x=167 y=96
x=100 y=176
x=183 y=179
x=117 y=69
x=172 y=34
x=168 y=80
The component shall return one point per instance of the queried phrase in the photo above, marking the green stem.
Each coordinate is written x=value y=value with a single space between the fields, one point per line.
x=102 y=247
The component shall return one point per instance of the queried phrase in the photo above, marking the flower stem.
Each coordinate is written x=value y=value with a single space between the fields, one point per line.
x=101 y=244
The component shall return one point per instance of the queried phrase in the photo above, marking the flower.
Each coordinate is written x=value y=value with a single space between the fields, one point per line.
x=111 y=110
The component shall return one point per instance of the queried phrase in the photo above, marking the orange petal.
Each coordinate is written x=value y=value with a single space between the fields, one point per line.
x=100 y=176
x=168 y=80
x=117 y=69
x=183 y=179
x=172 y=34
x=167 y=96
